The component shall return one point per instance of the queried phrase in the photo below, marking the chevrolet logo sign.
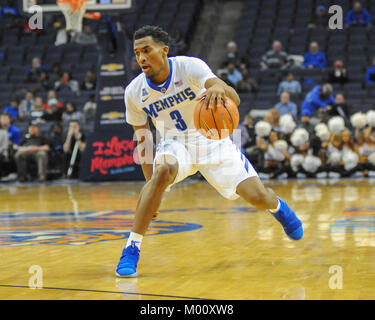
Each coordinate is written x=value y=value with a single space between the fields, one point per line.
x=113 y=115
x=112 y=67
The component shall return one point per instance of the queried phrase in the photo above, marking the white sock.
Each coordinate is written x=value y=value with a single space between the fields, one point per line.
x=277 y=208
x=137 y=238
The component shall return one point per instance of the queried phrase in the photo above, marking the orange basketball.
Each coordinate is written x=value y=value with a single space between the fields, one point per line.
x=216 y=123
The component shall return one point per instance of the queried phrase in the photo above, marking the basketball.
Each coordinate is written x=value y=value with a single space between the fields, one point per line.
x=216 y=123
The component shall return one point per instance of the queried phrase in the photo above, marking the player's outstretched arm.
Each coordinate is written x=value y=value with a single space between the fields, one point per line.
x=145 y=149
x=217 y=90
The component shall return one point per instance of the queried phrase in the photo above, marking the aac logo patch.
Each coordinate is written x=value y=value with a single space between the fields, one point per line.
x=69 y=228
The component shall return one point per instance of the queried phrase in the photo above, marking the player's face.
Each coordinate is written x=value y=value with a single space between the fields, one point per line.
x=150 y=56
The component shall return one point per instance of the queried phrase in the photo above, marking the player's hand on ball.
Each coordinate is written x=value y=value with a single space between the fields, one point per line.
x=214 y=93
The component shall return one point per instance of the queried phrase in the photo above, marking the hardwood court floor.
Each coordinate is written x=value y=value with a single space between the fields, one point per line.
x=203 y=246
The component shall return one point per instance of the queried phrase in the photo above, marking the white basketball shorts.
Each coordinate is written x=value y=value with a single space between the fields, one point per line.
x=220 y=162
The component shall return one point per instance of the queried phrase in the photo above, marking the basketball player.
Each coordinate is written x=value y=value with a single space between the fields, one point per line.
x=167 y=91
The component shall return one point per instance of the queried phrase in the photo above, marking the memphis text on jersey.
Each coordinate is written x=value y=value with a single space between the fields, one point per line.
x=169 y=102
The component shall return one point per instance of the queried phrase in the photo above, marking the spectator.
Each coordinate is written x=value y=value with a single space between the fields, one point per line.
x=275 y=58
x=71 y=113
x=44 y=81
x=53 y=113
x=248 y=123
x=89 y=109
x=89 y=83
x=340 y=108
x=290 y=85
x=247 y=84
x=338 y=74
x=55 y=73
x=320 y=18
x=38 y=110
x=14 y=134
x=232 y=54
x=315 y=58
x=12 y=110
x=33 y=147
x=34 y=71
x=4 y=147
x=26 y=106
x=86 y=37
x=51 y=99
x=285 y=106
x=67 y=83
x=74 y=136
x=358 y=16
x=233 y=74
x=64 y=36
x=318 y=97
x=370 y=73
x=179 y=43
x=56 y=142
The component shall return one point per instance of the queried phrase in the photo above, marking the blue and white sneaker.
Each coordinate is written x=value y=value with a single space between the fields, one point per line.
x=289 y=221
x=127 y=266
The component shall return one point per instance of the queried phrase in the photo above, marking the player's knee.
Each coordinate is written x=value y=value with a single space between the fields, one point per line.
x=164 y=174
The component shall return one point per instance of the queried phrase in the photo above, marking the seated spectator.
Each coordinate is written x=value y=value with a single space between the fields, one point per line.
x=247 y=84
x=4 y=147
x=273 y=117
x=12 y=110
x=86 y=37
x=89 y=83
x=290 y=85
x=318 y=97
x=248 y=124
x=33 y=72
x=358 y=16
x=340 y=108
x=234 y=75
x=275 y=58
x=53 y=113
x=74 y=136
x=67 y=83
x=71 y=113
x=179 y=42
x=51 y=99
x=56 y=72
x=232 y=54
x=285 y=106
x=32 y=147
x=14 y=134
x=314 y=58
x=338 y=74
x=320 y=19
x=64 y=36
x=89 y=109
x=26 y=106
x=44 y=81
x=38 y=110
x=370 y=73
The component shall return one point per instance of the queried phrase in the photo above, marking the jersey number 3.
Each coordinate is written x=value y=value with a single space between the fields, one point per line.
x=180 y=123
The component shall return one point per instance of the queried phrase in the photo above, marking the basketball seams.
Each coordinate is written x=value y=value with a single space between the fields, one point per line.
x=230 y=116
x=213 y=116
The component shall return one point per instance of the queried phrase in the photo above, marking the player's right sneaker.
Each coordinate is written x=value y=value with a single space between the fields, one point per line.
x=290 y=222
x=127 y=266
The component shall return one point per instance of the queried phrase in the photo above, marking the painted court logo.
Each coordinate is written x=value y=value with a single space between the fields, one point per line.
x=68 y=228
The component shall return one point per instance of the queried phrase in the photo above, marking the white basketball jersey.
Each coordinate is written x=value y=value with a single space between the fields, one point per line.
x=170 y=106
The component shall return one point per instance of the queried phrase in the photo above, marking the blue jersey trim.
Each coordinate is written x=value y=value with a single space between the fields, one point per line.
x=164 y=88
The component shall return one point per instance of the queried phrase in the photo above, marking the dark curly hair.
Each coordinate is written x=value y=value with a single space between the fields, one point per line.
x=157 y=34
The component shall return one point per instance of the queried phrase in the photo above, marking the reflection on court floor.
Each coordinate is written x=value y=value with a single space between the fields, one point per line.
x=201 y=247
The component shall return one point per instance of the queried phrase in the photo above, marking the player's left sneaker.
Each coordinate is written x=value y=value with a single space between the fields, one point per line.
x=127 y=266
x=289 y=221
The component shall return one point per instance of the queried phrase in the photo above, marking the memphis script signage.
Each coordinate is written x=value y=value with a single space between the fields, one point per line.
x=110 y=156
